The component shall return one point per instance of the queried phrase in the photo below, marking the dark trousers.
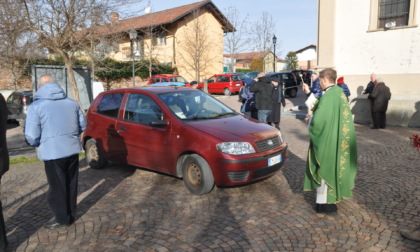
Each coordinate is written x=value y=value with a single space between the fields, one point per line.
x=62 y=176
x=3 y=238
x=379 y=120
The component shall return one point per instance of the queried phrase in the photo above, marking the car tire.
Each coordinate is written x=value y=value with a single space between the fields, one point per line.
x=293 y=92
x=94 y=157
x=227 y=92
x=197 y=175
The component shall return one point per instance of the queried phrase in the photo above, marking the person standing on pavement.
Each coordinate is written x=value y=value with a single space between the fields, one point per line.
x=332 y=156
x=247 y=98
x=340 y=83
x=278 y=100
x=380 y=97
x=315 y=87
x=368 y=90
x=262 y=86
x=4 y=166
x=54 y=123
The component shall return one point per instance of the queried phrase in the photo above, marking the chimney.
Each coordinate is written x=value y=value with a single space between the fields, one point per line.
x=114 y=17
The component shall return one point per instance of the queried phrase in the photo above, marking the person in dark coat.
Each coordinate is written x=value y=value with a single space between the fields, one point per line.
x=380 y=96
x=368 y=90
x=262 y=86
x=278 y=100
x=4 y=167
x=340 y=83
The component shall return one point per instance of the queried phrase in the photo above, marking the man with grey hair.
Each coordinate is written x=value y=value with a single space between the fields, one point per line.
x=54 y=123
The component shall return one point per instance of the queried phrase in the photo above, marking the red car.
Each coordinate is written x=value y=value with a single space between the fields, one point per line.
x=166 y=78
x=223 y=84
x=182 y=132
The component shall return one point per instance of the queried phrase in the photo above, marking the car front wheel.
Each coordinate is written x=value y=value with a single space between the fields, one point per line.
x=293 y=92
x=94 y=156
x=227 y=92
x=197 y=175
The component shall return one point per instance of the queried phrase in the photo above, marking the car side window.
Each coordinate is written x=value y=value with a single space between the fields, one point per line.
x=142 y=109
x=211 y=80
x=223 y=79
x=285 y=77
x=110 y=105
x=10 y=99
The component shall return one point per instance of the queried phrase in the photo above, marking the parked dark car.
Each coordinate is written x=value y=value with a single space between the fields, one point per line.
x=182 y=132
x=223 y=84
x=252 y=75
x=289 y=81
x=17 y=105
x=303 y=75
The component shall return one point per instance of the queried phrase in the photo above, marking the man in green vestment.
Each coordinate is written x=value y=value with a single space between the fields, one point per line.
x=332 y=156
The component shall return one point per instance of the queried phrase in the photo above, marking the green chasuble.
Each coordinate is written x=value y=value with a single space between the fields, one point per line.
x=332 y=154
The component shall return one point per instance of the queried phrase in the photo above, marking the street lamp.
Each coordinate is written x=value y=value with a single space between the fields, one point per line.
x=133 y=36
x=274 y=43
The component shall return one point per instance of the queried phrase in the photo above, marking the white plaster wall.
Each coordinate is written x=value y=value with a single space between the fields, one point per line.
x=360 y=52
x=309 y=54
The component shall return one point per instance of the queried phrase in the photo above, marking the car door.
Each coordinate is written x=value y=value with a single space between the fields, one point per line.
x=106 y=133
x=222 y=83
x=14 y=104
x=146 y=146
x=212 y=85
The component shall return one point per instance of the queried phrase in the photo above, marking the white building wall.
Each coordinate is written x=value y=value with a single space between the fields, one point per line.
x=309 y=54
x=358 y=51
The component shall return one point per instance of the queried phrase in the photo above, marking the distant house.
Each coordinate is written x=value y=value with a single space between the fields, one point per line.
x=244 y=60
x=307 y=57
x=169 y=37
x=362 y=37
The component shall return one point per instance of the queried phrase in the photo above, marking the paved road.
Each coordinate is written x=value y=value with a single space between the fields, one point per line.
x=122 y=208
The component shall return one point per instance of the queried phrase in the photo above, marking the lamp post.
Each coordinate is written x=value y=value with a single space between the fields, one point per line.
x=133 y=36
x=274 y=44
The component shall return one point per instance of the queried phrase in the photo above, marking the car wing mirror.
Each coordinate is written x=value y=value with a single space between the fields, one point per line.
x=159 y=123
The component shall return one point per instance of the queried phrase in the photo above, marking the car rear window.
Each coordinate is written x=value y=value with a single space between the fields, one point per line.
x=236 y=78
x=110 y=105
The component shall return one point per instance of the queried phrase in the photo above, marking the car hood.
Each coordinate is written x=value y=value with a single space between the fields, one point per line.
x=235 y=128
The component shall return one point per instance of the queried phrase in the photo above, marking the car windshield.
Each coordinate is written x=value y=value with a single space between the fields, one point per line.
x=195 y=105
x=236 y=78
x=178 y=79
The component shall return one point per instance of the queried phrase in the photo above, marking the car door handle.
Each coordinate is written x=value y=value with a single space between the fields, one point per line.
x=121 y=127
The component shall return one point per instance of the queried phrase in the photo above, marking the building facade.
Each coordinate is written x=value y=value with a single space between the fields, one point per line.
x=362 y=37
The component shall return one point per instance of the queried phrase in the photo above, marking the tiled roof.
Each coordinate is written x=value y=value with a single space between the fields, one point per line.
x=249 y=55
x=165 y=17
x=305 y=48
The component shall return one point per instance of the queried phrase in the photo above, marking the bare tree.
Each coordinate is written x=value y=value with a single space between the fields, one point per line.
x=263 y=33
x=236 y=42
x=18 y=45
x=62 y=25
x=197 y=48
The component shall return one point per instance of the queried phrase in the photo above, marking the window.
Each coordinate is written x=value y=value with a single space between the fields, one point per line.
x=142 y=109
x=393 y=11
x=110 y=105
x=162 y=38
x=398 y=13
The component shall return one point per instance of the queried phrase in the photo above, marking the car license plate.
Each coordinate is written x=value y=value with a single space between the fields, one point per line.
x=274 y=160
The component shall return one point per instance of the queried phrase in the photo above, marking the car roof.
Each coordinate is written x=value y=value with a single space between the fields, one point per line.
x=274 y=73
x=179 y=84
x=152 y=89
x=24 y=92
x=165 y=75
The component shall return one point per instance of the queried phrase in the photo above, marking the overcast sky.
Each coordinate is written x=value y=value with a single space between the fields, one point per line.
x=296 y=20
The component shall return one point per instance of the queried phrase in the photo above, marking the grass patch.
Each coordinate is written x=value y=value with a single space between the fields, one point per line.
x=25 y=160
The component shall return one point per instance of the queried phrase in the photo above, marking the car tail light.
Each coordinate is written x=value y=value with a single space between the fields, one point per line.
x=24 y=100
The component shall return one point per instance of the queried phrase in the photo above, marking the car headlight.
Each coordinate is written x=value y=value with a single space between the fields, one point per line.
x=235 y=148
x=281 y=137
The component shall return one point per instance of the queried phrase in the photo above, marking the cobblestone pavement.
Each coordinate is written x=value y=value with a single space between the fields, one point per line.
x=123 y=208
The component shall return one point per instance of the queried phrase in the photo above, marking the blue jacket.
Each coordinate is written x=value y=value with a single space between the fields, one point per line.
x=345 y=89
x=316 y=88
x=54 y=123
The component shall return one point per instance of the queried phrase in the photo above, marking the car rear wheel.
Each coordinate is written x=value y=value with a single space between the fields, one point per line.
x=293 y=92
x=227 y=92
x=94 y=156
x=197 y=175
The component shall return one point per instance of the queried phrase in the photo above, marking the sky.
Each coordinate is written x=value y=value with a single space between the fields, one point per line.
x=295 y=20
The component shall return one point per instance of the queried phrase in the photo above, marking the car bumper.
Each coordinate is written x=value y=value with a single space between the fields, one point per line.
x=249 y=170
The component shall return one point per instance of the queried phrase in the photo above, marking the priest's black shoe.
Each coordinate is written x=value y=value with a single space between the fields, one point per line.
x=54 y=224
x=326 y=208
